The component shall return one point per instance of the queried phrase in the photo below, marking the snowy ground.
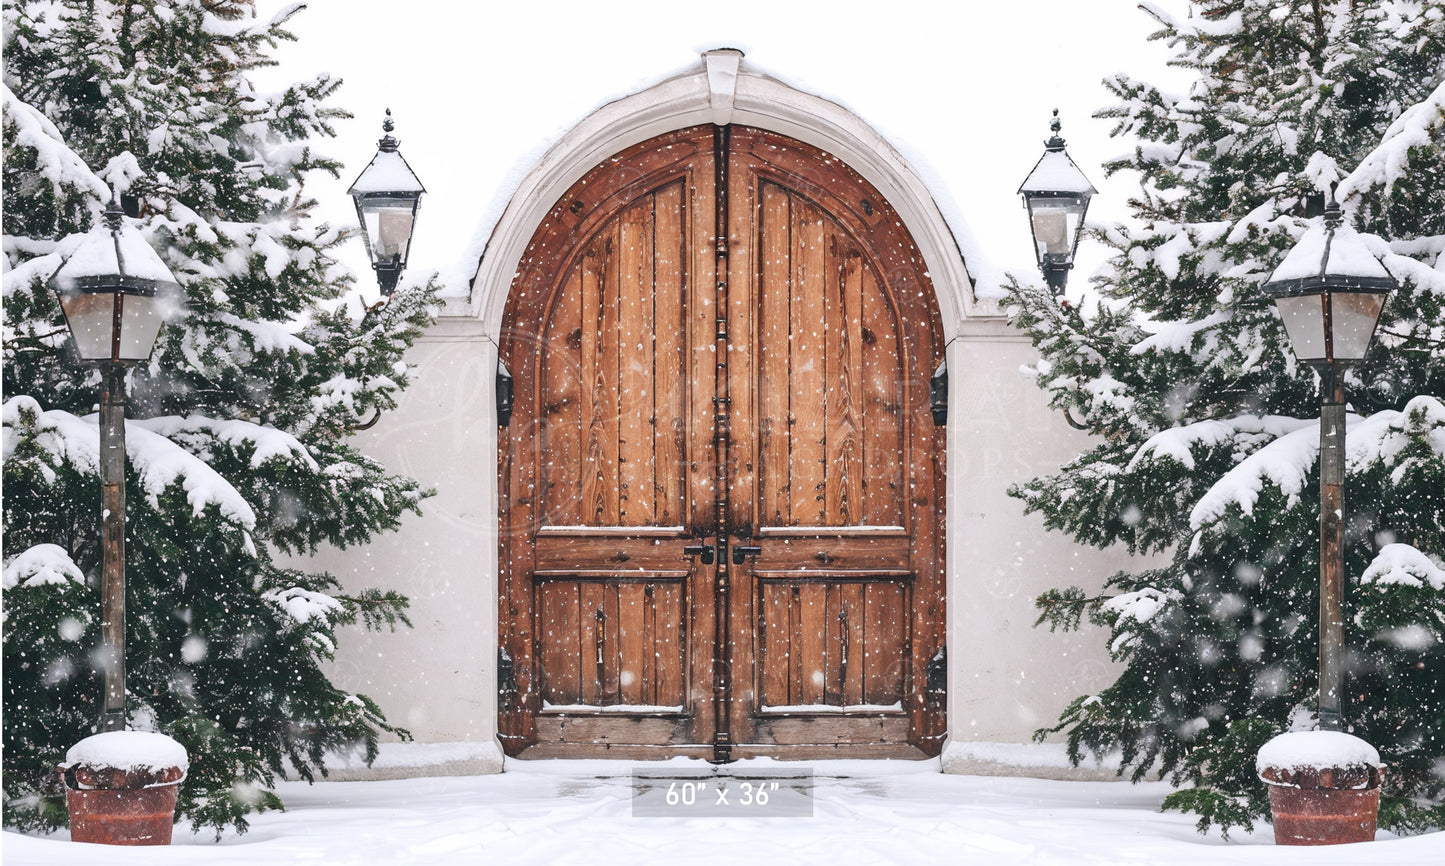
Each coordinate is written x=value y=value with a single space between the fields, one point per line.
x=581 y=812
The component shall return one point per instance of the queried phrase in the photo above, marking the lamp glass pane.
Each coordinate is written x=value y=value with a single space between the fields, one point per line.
x=388 y=227
x=1056 y=226
x=90 y=316
x=1354 y=317
x=141 y=318
x=1051 y=231
x=394 y=232
x=1304 y=321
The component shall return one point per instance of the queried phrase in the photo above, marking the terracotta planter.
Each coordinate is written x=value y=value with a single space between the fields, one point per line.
x=121 y=786
x=110 y=806
x=1322 y=802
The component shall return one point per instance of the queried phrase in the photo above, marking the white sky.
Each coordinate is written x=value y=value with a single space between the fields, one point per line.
x=962 y=88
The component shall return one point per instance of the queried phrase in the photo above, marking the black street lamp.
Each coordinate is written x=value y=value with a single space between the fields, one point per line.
x=387 y=193
x=116 y=294
x=1057 y=196
x=1330 y=290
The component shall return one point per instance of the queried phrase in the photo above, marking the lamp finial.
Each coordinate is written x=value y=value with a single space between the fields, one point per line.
x=387 y=143
x=113 y=214
x=1334 y=217
x=1055 y=142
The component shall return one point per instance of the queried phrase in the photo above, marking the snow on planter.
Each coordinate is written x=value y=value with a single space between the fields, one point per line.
x=126 y=759
x=1319 y=759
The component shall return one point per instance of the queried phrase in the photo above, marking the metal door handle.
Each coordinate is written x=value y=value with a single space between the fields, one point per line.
x=741 y=552
x=703 y=550
x=601 y=638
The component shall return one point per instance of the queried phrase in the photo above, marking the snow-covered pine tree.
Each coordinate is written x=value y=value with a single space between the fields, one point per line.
x=241 y=453
x=1208 y=427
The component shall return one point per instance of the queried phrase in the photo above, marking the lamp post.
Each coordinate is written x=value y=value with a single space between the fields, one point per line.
x=1330 y=291
x=1056 y=195
x=115 y=293
x=387 y=193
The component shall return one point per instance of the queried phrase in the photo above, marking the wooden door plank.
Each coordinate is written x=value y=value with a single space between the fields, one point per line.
x=561 y=385
x=842 y=360
x=812 y=643
x=612 y=649
x=832 y=645
x=635 y=638
x=698 y=651
x=558 y=635
x=774 y=658
x=882 y=408
x=669 y=359
x=650 y=662
x=808 y=397
x=850 y=677
x=635 y=351
x=775 y=505
x=672 y=643
x=608 y=395
x=796 y=662
x=701 y=347
x=590 y=628
x=743 y=300
x=886 y=627
x=593 y=405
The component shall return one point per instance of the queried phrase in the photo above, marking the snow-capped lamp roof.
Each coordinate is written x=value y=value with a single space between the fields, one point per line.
x=1330 y=256
x=116 y=292
x=114 y=250
x=388 y=173
x=1330 y=290
x=1055 y=173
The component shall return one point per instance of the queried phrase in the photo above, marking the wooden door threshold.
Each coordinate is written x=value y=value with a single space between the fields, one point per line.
x=623 y=753
x=831 y=751
x=632 y=752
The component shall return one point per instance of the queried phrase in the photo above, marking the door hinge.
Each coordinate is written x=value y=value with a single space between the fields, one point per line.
x=506 y=676
x=505 y=394
x=937 y=677
x=938 y=395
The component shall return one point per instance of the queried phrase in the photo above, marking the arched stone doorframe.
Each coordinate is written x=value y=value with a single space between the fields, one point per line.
x=723 y=92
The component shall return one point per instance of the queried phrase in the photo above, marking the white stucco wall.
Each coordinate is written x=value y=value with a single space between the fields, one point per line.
x=1007 y=677
x=437 y=679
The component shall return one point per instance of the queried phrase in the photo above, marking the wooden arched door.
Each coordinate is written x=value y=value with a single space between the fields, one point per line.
x=721 y=487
